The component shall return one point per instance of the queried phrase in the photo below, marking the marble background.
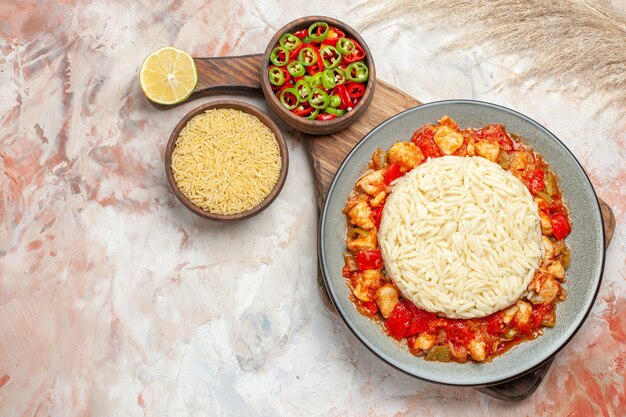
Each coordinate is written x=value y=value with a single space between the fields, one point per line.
x=116 y=301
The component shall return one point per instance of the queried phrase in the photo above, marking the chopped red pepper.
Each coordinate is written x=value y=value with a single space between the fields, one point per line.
x=355 y=90
x=536 y=181
x=369 y=259
x=302 y=111
x=294 y=54
x=398 y=321
x=357 y=55
x=325 y=116
x=342 y=92
x=302 y=33
x=392 y=172
x=560 y=226
x=420 y=319
x=334 y=35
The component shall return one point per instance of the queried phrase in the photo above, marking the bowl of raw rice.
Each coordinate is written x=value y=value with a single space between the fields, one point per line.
x=226 y=160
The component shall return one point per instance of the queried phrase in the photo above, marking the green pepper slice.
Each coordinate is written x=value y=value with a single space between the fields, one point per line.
x=289 y=98
x=357 y=72
x=313 y=115
x=307 y=56
x=328 y=79
x=289 y=41
x=345 y=46
x=340 y=75
x=319 y=31
x=330 y=56
x=304 y=89
x=318 y=99
x=276 y=76
x=316 y=80
x=279 y=56
x=335 y=101
x=296 y=69
x=336 y=112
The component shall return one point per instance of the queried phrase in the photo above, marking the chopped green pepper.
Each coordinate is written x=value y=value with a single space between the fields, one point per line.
x=319 y=31
x=340 y=75
x=335 y=101
x=316 y=80
x=345 y=46
x=313 y=115
x=438 y=353
x=336 y=112
x=318 y=98
x=277 y=77
x=304 y=89
x=279 y=56
x=289 y=41
x=330 y=56
x=357 y=72
x=545 y=196
x=307 y=56
x=289 y=98
x=550 y=183
x=296 y=69
x=328 y=79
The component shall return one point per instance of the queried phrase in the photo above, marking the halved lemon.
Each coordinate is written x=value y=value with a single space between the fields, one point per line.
x=168 y=75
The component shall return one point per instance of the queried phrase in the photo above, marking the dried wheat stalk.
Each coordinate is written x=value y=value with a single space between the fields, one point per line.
x=581 y=44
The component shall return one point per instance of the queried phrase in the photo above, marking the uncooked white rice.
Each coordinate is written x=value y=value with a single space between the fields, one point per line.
x=483 y=257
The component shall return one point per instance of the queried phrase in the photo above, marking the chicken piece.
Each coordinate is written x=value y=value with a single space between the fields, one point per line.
x=364 y=242
x=458 y=351
x=379 y=198
x=546 y=224
x=523 y=314
x=448 y=140
x=477 y=349
x=488 y=150
x=520 y=161
x=406 y=155
x=424 y=341
x=448 y=122
x=354 y=199
x=509 y=313
x=549 y=290
x=471 y=143
x=549 y=248
x=361 y=215
x=386 y=298
x=366 y=282
x=372 y=183
x=556 y=269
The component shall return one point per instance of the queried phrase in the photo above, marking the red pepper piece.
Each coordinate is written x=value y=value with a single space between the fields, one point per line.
x=302 y=111
x=302 y=33
x=496 y=133
x=293 y=55
x=495 y=325
x=392 y=172
x=420 y=319
x=319 y=64
x=357 y=55
x=369 y=259
x=536 y=182
x=342 y=92
x=355 y=90
x=560 y=226
x=325 y=116
x=424 y=138
x=334 y=35
x=282 y=87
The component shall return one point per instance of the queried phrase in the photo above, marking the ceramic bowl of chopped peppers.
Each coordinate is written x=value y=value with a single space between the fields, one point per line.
x=318 y=75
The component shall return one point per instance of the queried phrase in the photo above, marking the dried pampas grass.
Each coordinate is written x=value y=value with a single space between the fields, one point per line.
x=581 y=44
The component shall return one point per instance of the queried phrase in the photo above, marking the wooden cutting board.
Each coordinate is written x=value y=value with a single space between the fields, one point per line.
x=241 y=75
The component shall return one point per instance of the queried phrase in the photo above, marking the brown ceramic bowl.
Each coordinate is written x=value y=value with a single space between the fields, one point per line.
x=317 y=127
x=247 y=108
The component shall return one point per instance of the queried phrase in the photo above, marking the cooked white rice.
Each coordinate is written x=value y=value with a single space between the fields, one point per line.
x=461 y=236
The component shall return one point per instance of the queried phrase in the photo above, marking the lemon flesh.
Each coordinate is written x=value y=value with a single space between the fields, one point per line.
x=168 y=76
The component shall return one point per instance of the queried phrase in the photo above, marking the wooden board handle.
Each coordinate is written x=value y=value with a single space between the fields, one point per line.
x=225 y=75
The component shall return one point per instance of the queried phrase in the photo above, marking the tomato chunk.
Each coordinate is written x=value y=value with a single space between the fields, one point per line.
x=458 y=332
x=369 y=259
x=495 y=325
x=496 y=133
x=398 y=321
x=424 y=138
x=393 y=172
x=536 y=182
x=536 y=316
x=560 y=226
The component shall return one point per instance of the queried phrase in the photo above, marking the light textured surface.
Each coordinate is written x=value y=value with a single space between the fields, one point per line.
x=116 y=301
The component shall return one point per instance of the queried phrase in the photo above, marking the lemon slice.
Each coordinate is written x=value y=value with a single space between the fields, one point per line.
x=168 y=75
